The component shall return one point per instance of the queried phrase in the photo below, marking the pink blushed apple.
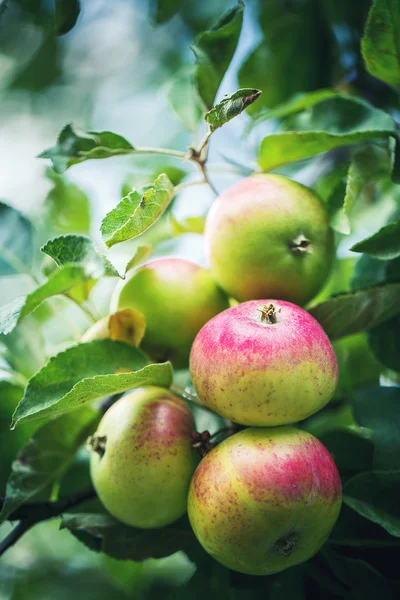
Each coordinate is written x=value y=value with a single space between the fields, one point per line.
x=142 y=458
x=263 y=362
x=265 y=499
x=269 y=237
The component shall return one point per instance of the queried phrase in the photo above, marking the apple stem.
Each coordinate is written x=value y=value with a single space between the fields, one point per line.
x=301 y=245
x=286 y=545
x=202 y=443
x=268 y=313
x=97 y=443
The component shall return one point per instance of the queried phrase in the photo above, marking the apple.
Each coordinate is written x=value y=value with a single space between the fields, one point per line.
x=176 y=298
x=269 y=237
x=142 y=458
x=265 y=499
x=263 y=362
x=124 y=326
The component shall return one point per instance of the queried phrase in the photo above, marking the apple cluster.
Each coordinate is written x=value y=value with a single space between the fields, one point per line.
x=265 y=498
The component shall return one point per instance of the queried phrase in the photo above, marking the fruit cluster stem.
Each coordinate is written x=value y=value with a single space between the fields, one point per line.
x=202 y=442
x=29 y=515
x=199 y=156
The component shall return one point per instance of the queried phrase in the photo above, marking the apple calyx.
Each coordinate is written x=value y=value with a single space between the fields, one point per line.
x=286 y=544
x=97 y=443
x=202 y=443
x=268 y=314
x=301 y=245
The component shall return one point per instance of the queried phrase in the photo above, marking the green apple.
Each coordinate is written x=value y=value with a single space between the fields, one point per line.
x=176 y=298
x=269 y=237
x=124 y=326
x=142 y=458
x=265 y=499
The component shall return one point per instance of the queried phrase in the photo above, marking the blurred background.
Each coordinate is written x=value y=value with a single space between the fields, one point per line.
x=113 y=71
x=121 y=69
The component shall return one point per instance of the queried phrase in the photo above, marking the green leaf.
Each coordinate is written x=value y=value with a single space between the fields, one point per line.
x=46 y=457
x=339 y=281
x=77 y=478
x=164 y=10
x=79 y=250
x=276 y=66
x=333 y=418
x=214 y=50
x=140 y=180
x=279 y=149
x=357 y=365
x=339 y=209
x=25 y=348
x=67 y=207
x=350 y=451
x=136 y=213
x=367 y=167
x=378 y=409
x=11 y=393
x=330 y=124
x=231 y=107
x=283 y=587
x=59 y=282
x=295 y=104
x=384 y=244
x=87 y=372
x=16 y=242
x=103 y=533
x=67 y=13
x=380 y=43
x=376 y=496
x=188 y=225
x=371 y=271
x=75 y=145
x=329 y=183
x=353 y=530
x=3 y=7
x=141 y=254
x=361 y=581
x=213 y=581
x=184 y=99
x=43 y=67
x=384 y=342
x=358 y=311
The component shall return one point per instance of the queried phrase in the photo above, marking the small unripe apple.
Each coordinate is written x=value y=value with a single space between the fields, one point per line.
x=269 y=237
x=142 y=458
x=265 y=499
x=264 y=362
x=176 y=298
x=123 y=326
